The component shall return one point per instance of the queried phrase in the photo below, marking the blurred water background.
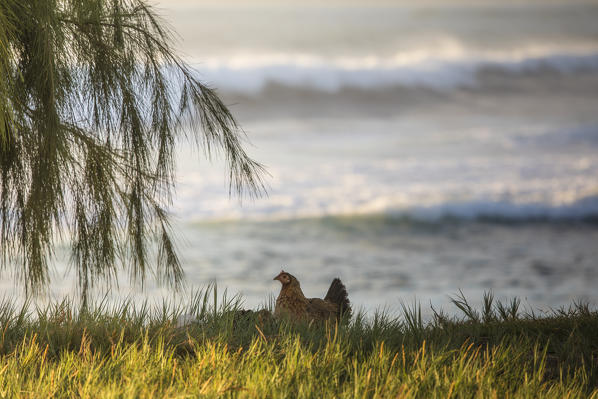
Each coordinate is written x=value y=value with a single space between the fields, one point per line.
x=414 y=150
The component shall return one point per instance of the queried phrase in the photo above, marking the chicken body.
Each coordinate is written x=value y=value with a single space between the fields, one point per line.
x=291 y=301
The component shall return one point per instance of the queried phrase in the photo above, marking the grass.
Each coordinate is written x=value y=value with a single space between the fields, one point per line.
x=141 y=351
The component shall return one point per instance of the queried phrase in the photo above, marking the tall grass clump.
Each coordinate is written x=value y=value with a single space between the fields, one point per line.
x=207 y=346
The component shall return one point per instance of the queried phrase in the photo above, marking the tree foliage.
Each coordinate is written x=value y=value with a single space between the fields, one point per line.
x=92 y=101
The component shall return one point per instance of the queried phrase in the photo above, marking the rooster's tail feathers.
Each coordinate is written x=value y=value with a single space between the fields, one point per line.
x=337 y=293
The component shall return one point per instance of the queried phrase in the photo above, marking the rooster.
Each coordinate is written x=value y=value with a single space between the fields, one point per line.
x=292 y=303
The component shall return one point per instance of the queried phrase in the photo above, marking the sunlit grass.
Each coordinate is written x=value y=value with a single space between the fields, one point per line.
x=144 y=351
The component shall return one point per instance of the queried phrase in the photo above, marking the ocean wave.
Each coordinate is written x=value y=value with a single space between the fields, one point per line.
x=440 y=73
x=584 y=209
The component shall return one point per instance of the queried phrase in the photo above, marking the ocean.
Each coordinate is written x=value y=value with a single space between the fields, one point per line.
x=412 y=150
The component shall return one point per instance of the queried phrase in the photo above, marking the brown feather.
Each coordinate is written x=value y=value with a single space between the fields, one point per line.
x=292 y=303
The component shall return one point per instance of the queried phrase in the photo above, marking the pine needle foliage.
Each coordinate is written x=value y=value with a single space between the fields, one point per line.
x=93 y=99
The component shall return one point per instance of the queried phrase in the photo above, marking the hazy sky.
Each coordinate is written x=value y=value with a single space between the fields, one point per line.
x=317 y=3
x=209 y=28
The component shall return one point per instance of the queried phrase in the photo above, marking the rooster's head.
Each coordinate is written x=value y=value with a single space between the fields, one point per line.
x=286 y=279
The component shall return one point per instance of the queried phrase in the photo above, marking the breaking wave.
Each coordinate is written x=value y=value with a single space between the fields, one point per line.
x=585 y=209
x=251 y=74
x=582 y=210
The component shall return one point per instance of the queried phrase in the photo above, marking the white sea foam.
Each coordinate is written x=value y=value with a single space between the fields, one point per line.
x=510 y=189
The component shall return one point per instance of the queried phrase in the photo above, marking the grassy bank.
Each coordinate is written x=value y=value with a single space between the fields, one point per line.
x=127 y=351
